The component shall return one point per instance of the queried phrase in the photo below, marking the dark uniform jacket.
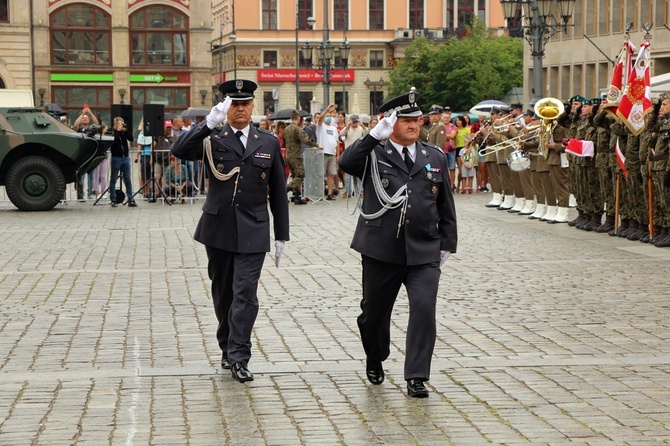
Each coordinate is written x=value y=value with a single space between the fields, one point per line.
x=430 y=223
x=242 y=225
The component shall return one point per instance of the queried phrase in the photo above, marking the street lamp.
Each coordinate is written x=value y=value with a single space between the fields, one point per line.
x=344 y=59
x=374 y=84
x=324 y=54
x=539 y=26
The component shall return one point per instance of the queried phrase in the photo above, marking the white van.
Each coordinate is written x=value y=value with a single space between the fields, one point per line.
x=16 y=98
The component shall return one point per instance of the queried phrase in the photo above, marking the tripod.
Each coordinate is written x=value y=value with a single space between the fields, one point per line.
x=153 y=182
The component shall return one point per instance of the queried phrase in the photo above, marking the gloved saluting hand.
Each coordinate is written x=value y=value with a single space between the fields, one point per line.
x=384 y=128
x=218 y=113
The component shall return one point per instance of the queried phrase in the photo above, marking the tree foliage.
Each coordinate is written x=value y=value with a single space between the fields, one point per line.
x=462 y=72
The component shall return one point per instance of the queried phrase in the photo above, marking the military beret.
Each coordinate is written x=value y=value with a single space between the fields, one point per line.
x=578 y=98
x=404 y=105
x=594 y=101
x=238 y=89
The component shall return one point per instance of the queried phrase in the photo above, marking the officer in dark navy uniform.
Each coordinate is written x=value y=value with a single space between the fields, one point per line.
x=406 y=230
x=246 y=171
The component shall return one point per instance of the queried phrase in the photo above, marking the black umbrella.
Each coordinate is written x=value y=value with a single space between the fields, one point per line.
x=194 y=112
x=286 y=114
x=54 y=109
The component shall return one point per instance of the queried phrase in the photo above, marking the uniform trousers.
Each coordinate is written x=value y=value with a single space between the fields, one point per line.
x=537 y=186
x=297 y=168
x=381 y=283
x=494 y=177
x=525 y=177
x=234 y=292
x=559 y=184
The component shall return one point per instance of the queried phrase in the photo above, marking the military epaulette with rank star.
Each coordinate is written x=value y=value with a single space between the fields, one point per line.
x=268 y=132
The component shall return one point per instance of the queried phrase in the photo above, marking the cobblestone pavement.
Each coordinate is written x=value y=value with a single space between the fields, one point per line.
x=546 y=335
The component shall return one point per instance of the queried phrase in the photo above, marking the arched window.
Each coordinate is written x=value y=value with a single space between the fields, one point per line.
x=80 y=34
x=159 y=36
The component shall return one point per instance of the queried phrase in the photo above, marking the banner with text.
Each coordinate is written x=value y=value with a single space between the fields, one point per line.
x=305 y=75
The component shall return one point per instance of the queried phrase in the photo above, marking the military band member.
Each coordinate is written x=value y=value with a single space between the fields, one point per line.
x=504 y=128
x=529 y=178
x=544 y=191
x=604 y=152
x=490 y=139
x=403 y=241
x=558 y=175
x=246 y=173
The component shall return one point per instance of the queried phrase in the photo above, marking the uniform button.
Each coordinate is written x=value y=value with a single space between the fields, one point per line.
x=409 y=178
x=407 y=222
x=409 y=192
x=409 y=206
x=237 y=205
x=239 y=191
x=241 y=177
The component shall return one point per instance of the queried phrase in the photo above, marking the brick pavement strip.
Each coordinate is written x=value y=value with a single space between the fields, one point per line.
x=547 y=335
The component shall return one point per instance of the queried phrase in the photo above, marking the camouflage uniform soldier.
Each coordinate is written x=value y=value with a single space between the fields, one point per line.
x=603 y=154
x=647 y=141
x=618 y=134
x=660 y=175
x=633 y=191
x=294 y=137
x=572 y=121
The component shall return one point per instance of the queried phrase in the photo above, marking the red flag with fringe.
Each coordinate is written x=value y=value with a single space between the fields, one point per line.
x=636 y=100
x=619 y=78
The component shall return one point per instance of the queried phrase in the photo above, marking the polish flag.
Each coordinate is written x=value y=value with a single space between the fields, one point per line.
x=620 y=158
x=636 y=100
x=619 y=78
x=579 y=147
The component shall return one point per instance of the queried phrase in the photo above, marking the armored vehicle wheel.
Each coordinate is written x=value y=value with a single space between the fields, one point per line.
x=35 y=183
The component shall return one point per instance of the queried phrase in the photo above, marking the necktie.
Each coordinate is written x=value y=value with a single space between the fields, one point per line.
x=408 y=159
x=239 y=135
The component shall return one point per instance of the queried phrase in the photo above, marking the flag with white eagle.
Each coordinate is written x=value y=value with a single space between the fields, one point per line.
x=636 y=100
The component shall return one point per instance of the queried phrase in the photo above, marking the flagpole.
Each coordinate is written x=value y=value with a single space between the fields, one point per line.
x=616 y=205
x=650 y=192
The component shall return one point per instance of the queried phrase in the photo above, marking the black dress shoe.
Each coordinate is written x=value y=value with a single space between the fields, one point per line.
x=224 y=362
x=241 y=373
x=374 y=371
x=416 y=389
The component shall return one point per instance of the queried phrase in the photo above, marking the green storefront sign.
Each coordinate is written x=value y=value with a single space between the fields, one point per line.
x=82 y=77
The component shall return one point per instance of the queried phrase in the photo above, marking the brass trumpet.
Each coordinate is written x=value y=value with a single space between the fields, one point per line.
x=532 y=132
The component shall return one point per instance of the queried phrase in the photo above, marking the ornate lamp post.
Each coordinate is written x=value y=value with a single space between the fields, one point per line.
x=324 y=55
x=344 y=59
x=538 y=25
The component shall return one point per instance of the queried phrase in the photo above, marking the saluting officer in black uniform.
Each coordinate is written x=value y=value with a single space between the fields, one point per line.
x=406 y=231
x=245 y=167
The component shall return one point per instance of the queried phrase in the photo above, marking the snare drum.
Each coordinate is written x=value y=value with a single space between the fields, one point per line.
x=518 y=161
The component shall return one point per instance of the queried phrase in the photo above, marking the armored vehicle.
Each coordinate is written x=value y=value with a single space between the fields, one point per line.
x=39 y=155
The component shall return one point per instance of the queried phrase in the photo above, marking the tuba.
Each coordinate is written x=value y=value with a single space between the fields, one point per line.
x=548 y=109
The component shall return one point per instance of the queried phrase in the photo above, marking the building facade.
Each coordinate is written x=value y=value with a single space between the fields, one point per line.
x=580 y=60
x=104 y=52
x=263 y=40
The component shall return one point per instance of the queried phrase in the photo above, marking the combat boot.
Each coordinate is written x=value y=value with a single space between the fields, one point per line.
x=596 y=220
x=632 y=227
x=647 y=238
x=607 y=226
x=662 y=235
x=581 y=219
x=585 y=221
x=639 y=232
x=624 y=228
x=297 y=199
x=663 y=242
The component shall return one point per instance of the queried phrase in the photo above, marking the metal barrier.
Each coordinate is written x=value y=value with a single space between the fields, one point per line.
x=314 y=174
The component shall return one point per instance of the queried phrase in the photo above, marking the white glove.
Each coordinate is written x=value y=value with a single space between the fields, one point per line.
x=279 y=248
x=444 y=255
x=384 y=128
x=218 y=113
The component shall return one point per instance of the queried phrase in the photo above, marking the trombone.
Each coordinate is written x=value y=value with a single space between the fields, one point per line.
x=530 y=132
